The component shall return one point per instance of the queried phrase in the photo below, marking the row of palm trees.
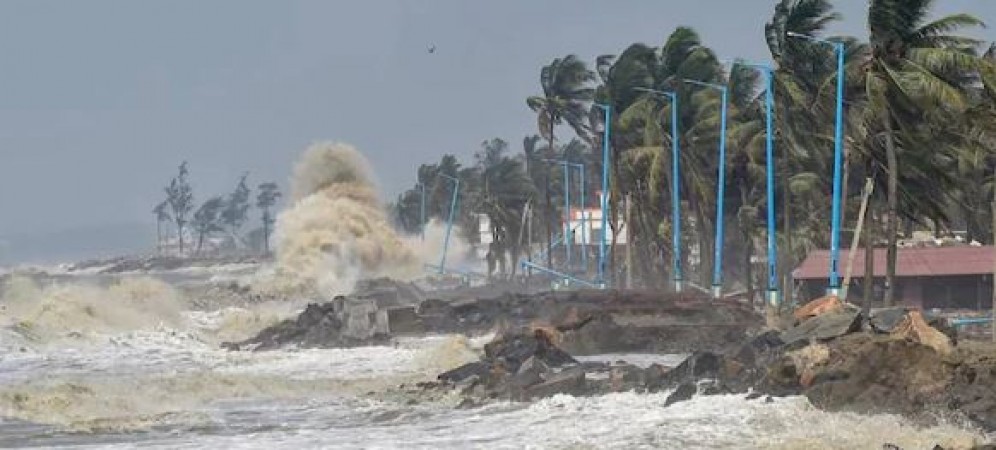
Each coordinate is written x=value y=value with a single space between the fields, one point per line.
x=919 y=120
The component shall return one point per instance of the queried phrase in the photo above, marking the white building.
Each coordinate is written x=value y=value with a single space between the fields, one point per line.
x=587 y=226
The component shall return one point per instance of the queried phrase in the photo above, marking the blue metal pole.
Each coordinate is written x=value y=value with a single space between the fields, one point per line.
x=568 y=241
x=717 y=268
x=449 y=221
x=773 y=297
x=584 y=222
x=605 y=195
x=675 y=195
x=834 y=285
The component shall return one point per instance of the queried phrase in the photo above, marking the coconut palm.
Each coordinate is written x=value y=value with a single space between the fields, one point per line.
x=909 y=75
x=567 y=91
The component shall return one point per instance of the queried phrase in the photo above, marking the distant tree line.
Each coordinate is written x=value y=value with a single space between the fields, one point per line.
x=224 y=215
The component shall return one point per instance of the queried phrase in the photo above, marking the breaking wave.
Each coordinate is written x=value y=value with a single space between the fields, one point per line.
x=80 y=310
x=335 y=230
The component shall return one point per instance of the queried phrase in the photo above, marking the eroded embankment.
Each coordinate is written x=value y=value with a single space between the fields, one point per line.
x=589 y=322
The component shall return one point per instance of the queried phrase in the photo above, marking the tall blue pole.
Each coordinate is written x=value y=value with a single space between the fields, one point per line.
x=449 y=221
x=584 y=222
x=675 y=195
x=834 y=285
x=717 y=268
x=605 y=195
x=769 y=150
x=568 y=241
x=675 y=185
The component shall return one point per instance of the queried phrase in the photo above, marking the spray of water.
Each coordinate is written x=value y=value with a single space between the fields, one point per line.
x=335 y=230
x=78 y=310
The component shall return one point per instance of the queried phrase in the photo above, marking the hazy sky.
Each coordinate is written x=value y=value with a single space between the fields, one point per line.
x=100 y=100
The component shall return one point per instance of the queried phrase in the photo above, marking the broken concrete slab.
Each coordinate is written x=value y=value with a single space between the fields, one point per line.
x=570 y=381
x=886 y=320
x=825 y=326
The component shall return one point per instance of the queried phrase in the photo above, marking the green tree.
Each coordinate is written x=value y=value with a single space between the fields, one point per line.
x=180 y=197
x=207 y=219
x=236 y=209
x=567 y=92
x=910 y=80
x=266 y=198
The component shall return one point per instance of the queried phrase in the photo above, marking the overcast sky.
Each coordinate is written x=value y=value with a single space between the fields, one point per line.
x=100 y=100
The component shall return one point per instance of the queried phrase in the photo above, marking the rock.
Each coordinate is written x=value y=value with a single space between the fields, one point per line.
x=515 y=349
x=531 y=372
x=404 y=319
x=477 y=369
x=886 y=320
x=570 y=381
x=826 y=326
x=685 y=391
x=818 y=307
x=914 y=328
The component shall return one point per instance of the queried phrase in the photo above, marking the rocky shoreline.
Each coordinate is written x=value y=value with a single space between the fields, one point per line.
x=891 y=361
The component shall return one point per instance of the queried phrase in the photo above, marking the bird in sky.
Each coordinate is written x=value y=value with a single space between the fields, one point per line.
x=432 y=48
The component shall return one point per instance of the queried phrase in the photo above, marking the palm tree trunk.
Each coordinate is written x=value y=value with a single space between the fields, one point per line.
x=549 y=203
x=869 y=278
x=892 y=221
x=159 y=237
x=788 y=261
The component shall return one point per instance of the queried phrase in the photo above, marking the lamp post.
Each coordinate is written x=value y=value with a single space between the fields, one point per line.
x=600 y=281
x=774 y=298
x=838 y=141
x=449 y=221
x=584 y=221
x=717 y=268
x=675 y=186
x=421 y=212
x=568 y=236
x=567 y=208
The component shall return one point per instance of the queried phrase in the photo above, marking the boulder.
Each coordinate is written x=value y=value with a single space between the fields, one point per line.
x=570 y=381
x=479 y=369
x=914 y=328
x=886 y=320
x=512 y=350
x=818 y=307
x=825 y=326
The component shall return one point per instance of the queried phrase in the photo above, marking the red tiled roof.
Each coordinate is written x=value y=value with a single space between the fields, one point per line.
x=910 y=262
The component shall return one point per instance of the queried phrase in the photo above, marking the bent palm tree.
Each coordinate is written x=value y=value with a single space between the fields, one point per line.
x=910 y=75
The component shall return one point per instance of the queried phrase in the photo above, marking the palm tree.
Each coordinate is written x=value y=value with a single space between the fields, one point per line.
x=909 y=75
x=681 y=56
x=567 y=91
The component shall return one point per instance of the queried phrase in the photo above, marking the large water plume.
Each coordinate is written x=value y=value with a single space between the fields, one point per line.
x=335 y=230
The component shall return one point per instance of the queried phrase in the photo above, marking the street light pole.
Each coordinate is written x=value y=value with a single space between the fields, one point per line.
x=449 y=222
x=584 y=221
x=567 y=209
x=600 y=281
x=774 y=299
x=717 y=268
x=675 y=187
x=835 y=210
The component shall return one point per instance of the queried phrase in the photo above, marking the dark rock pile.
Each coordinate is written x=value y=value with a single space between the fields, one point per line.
x=590 y=322
x=527 y=364
x=893 y=361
